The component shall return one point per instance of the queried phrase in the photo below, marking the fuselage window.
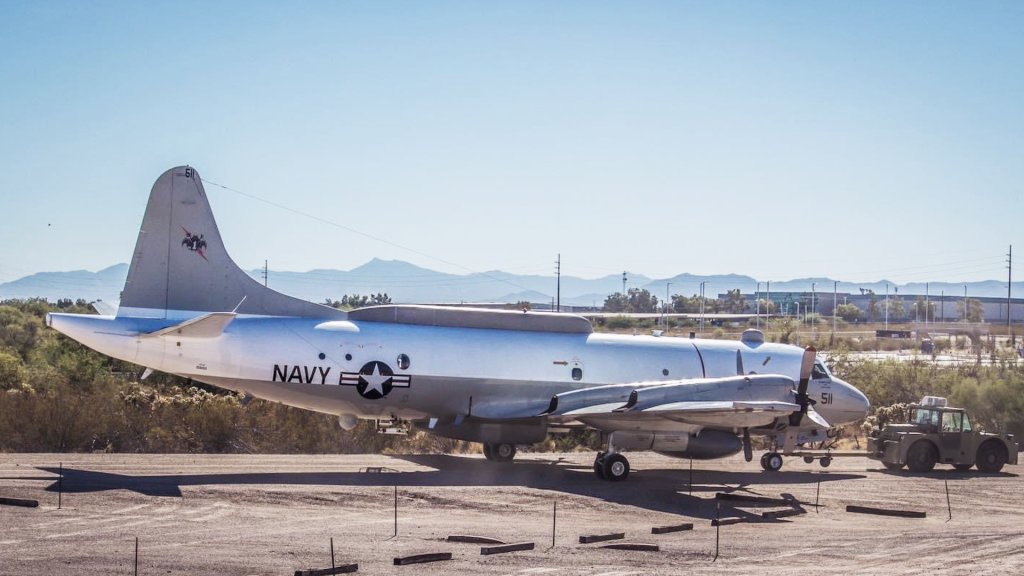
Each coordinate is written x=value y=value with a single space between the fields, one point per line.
x=403 y=361
x=577 y=373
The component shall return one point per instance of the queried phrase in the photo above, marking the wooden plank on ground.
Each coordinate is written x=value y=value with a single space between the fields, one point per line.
x=635 y=546
x=775 y=514
x=885 y=512
x=727 y=521
x=19 y=502
x=468 y=539
x=503 y=548
x=673 y=528
x=422 y=558
x=591 y=538
x=754 y=499
x=346 y=569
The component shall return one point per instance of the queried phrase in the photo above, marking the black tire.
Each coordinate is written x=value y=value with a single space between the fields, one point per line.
x=503 y=452
x=773 y=462
x=825 y=462
x=487 y=451
x=922 y=457
x=599 y=466
x=615 y=467
x=962 y=467
x=894 y=466
x=764 y=460
x=808 y=459
x=991 y=457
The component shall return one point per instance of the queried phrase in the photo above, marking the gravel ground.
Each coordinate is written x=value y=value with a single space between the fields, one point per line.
x=203 y=514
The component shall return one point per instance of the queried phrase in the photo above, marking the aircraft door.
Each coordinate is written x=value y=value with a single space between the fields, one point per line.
x=950 y=436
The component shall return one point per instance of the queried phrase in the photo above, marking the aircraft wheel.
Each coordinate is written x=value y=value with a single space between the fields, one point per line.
x=503 y=452
x=487 y=451
x=773 y=462
x=922 y=457
x=808 y=459
x=764 y=460
x=825 y=462
x=615 y=467
x=599 y=465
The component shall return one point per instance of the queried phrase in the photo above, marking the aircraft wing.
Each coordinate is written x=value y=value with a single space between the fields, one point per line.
x=736 y=401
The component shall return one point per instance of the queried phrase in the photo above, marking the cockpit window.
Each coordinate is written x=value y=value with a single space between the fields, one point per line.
x=819 y=372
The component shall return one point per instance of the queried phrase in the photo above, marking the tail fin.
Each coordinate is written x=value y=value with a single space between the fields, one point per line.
x=180 y=265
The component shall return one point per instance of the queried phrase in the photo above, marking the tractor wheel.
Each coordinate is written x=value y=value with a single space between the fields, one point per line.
x=922 y=457
x=991 y=457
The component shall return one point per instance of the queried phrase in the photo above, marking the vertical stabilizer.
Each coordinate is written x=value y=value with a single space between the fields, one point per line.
x=180 y=264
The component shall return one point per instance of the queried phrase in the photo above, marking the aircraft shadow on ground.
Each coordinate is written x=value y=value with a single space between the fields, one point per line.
x=662 y=490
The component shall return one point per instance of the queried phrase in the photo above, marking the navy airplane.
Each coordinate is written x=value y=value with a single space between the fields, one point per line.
x=502 y=378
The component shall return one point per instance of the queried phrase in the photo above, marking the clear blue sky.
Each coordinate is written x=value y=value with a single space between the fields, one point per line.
x=856 y=140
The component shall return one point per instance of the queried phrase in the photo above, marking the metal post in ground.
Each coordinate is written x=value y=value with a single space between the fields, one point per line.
x=554 y=522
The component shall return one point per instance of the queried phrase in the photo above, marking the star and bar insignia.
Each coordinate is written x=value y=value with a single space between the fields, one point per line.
x=375 y=380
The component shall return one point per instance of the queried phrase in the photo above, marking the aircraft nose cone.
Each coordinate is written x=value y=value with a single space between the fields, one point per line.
x=861 y=401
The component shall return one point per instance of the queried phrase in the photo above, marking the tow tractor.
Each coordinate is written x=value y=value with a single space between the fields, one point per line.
x=937 y=433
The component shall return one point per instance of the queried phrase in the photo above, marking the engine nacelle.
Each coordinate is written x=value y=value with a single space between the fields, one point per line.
x=705 y=445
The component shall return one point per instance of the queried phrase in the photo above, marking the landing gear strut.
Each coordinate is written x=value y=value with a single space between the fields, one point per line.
x=499 y=452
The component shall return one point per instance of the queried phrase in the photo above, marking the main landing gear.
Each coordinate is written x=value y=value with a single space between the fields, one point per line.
x=499 y=452
x=611 y=466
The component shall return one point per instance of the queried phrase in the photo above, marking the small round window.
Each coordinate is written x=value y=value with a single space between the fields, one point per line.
x=577 y=373
x=403 y=361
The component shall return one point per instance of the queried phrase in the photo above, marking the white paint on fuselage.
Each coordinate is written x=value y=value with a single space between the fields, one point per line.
x=451 y=368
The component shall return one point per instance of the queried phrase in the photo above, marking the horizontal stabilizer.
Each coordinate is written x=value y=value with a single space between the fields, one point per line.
x=209 y=325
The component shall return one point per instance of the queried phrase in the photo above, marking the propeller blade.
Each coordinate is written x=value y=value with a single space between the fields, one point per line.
x=805 y=372
x=739 y=363
x=801 y=391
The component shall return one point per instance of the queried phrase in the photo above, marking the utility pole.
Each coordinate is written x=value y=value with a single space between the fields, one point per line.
x=767 y=302
x=927 y=304
x=835 y=302
x=624 y=283
x=942 y=306
x=1009 y=288
x=265 y=273
x=965 y=303
x=757 y=305
x=664 y=307
x=558 y=286
x=702 y=307
x=814 y=309
x=886 y=305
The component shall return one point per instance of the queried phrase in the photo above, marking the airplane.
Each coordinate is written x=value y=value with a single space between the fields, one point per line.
x=501 y=378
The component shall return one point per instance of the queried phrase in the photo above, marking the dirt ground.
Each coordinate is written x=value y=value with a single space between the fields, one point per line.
x=242 y=515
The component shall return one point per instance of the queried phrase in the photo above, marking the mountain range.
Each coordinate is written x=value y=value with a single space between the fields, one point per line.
x=408 y=283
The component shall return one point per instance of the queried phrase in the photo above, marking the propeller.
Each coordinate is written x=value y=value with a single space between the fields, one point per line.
x=739 y=363
x=801 y=391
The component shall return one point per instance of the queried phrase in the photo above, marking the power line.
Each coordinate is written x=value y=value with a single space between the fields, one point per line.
x=359 y=232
